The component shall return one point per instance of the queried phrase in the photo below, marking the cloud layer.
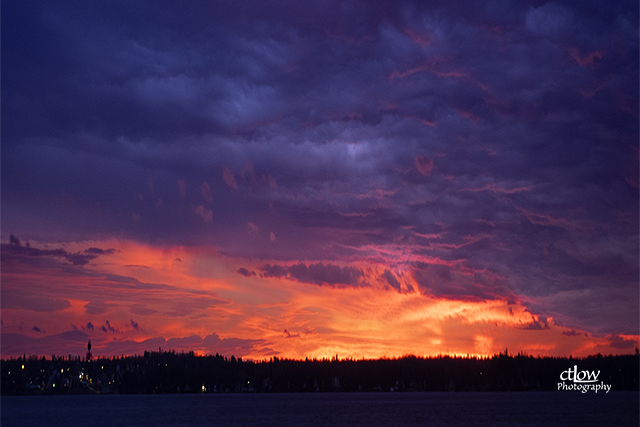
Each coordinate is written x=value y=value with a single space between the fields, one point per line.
x=484 y=153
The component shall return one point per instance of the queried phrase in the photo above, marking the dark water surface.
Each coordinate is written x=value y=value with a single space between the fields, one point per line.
x=331 y=409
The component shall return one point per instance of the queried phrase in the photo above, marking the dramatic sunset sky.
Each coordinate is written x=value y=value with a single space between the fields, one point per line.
x=306 y=179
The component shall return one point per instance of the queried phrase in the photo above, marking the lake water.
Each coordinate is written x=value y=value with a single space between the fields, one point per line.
x=330 y=409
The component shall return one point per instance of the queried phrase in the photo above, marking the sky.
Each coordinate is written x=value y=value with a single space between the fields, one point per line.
x=309 y=179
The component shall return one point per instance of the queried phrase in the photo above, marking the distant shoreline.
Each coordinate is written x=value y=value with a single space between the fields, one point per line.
x=170 y=372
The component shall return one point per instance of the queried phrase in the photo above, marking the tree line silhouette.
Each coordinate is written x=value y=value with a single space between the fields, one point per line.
x=171 y=372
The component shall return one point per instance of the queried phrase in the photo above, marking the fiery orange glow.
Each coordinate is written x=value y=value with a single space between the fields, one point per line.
x=141 y=297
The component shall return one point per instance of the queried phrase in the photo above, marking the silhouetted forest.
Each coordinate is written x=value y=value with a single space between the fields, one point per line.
x=170 y=372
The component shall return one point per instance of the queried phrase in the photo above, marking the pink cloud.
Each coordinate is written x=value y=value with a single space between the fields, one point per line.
x=468 y=115
x=182 y=188
x=422 y=39
x=590 y=60
x=544 y=219
x=424 y=165
x=249 y=173
x=206 y=214
x=206 y=192
x=229 y=179
x=498 y=189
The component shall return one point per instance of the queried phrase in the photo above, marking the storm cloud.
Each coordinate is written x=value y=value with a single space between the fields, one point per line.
x=488 y=151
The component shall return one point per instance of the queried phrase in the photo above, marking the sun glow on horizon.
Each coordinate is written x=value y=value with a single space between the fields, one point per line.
x=141 y=297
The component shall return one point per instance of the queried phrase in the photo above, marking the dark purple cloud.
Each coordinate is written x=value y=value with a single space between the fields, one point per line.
x=246 y=273
x=499 y=139
x=620 y=342
x=98 y=307
x=318 y=274
x=98 y=251
x=108 y=328
x=288 y=334
x=459 y=283
x=14 y=248
x=537 y=324
x=391 y=279
x=30 y=300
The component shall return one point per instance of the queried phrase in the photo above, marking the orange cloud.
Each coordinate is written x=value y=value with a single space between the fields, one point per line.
x=138 y=297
